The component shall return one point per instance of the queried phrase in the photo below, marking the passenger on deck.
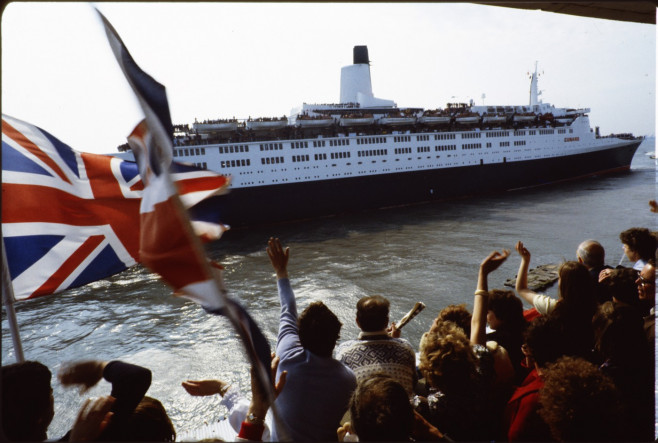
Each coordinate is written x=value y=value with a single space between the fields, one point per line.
x=505 y=318
x=546 y=340
x=458 y=314
x=249 y=419
x=375 y=351
x=621 y=287
x=591 y=254
x=628 y=360
x=135 y=416
x=460 y=372
x=380 y=411
x=579 y=403
x=646 y=287
x=318 y=387
x=27 y=401
x=639 y=246
x=574 y=284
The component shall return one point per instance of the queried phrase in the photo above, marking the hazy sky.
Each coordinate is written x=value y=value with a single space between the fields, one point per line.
x=220 y=60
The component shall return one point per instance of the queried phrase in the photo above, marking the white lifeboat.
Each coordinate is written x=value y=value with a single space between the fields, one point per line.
x=525 y=117
x=435 y=119
x=314 y=122
x=269 y=124
x=467 y=118
x=494 y=119
x=217 y=126
x=398 y=120
x=357 y=120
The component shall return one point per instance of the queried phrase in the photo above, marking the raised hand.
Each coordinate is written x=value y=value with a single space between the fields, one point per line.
x=278 y=257
x=494 y=260
x=83 y=373
x=523 y=251
x=200 y=388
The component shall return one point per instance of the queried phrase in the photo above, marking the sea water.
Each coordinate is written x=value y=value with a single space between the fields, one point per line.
x=427 y=253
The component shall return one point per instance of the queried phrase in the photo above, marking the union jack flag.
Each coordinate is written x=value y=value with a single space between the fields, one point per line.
x=166 y=244
x=71 y=218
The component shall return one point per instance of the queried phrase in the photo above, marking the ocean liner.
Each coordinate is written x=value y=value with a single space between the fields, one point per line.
x=367 y=153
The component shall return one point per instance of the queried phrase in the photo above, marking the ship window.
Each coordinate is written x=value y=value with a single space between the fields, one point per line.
x=267 y=160
x=243 y=163
x=248 y=162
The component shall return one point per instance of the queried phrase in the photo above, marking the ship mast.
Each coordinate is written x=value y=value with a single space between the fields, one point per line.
x=534 y=92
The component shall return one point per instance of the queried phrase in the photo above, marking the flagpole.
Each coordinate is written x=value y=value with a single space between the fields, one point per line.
x=8 y=301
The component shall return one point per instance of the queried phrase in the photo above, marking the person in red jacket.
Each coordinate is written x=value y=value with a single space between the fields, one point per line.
x=546 y=340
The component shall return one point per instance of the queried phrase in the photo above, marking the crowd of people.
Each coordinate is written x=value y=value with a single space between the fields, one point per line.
x=579 y=367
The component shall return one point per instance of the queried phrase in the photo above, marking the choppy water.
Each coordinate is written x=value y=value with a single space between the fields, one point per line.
x=426 y=253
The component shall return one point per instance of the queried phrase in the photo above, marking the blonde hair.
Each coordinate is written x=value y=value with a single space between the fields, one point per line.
x=447 y=360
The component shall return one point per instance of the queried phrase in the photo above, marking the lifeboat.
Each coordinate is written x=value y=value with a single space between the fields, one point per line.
x=397 y=119
x=357 y=120
x=434 y=117
x=467 y=118
x=215 y=126
x=524 y=117
x=319 y=121
x=494 y=119
x=564 y=120
x=267 y=123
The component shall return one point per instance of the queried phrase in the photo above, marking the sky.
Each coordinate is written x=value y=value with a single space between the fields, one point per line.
x=222 y=60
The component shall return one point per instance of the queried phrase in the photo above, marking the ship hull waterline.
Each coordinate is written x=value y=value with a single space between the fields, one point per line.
x=263 y=205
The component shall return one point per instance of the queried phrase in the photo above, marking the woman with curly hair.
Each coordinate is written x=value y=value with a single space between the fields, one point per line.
x=639 y=246
x=460 y=371
x=580 y=403
x=455 y=404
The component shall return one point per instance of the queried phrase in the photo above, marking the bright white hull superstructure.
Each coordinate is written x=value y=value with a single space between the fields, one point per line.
x=308 y=172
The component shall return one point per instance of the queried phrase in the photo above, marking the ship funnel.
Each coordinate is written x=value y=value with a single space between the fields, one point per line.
x=355 y=85
x=361 y=55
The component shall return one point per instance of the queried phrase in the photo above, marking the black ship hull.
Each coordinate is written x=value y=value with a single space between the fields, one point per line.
x=264 y=205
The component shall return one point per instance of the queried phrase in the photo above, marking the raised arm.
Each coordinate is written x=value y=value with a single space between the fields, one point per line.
x=278 y=257
x=288 y=337
x=522 y=278
x=253 y=426
x=129 y=383
x=481 y=298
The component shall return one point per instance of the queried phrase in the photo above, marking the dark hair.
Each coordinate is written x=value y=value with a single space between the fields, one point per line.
x=508 y=309
x=621 y=285
x=457 y=314
x=580 y=403
x=380 y=410
x=148 y=422
x=577 y=290
x=591 y=253
x=620 y=334
x=27 y=403
x=640 y=240
x=319 y=329
x=372 y=313
x=547 y=340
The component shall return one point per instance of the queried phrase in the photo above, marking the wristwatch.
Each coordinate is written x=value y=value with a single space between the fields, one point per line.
x=251 y=418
